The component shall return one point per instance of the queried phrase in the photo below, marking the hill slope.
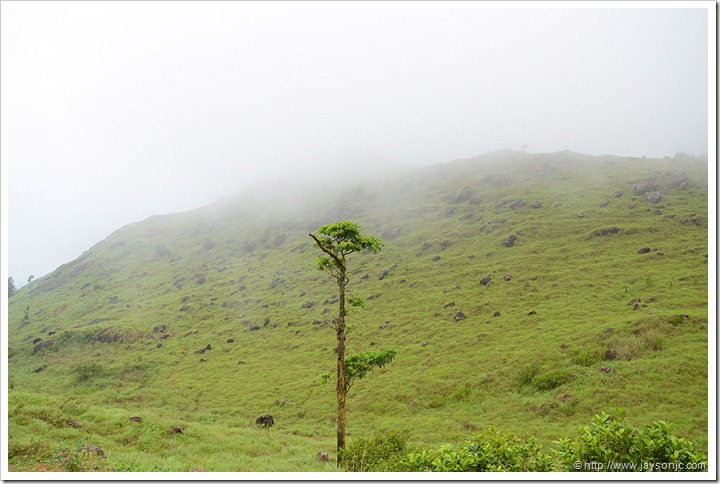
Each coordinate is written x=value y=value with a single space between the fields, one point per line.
x=122 y=331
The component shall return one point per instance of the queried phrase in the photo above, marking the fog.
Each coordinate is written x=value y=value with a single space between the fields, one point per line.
x=116 y=111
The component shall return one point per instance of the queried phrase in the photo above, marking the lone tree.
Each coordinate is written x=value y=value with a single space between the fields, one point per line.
x=338 y=241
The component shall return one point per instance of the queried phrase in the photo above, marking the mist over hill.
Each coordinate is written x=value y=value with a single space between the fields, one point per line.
x=493 y=267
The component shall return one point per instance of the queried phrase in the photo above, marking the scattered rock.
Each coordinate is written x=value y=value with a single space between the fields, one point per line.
x=308 y=305
x=693 y=219
x=679 y=181
x=241 y=362
x=461 y=195
x=323 y=457
x=254 y=327
x=507 y=277
x=510 y=240
x=610 y=354
x=203 y=360
x=73 y=423
x=645 y=186
x=470 y=426
x=618 y=194
x=135 y=419
x=436 y=258
x=445 y=244
x=496 y=314
x=265 y=420
x=451 y=303
x=604 y=203
x=203 y=350
x=177 y=430
x=94 y=449
x=581 y=215
x=485 y=280
x=532 y=312
x=536 y=205
x=159 y=345
x=40 y=369
x=36 y=341
x=383 y=274
x=653 y=197
x=425 y=343
x=230 y=340
x=565 y=398
x=605 y=232
x=605 y=369
x=267 y=321
x=459 y=316
x=644 y=250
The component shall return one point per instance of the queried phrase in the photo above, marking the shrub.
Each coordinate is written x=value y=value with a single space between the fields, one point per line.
x=78 y=459
x=551 y=379
x=489 y=452
x=383 y=452
x=89 y=371
x=609 y=444
x=586 y=356
x=527 y=373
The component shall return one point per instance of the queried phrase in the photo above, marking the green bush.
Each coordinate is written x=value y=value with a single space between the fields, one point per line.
x=527 y=373
x=383 y=452
x=489 y=452
x=586 y=356
x=610 y=444
x=551 y=379
x=89 y=371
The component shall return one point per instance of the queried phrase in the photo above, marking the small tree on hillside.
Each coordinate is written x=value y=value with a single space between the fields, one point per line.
x=338 y=241
x=11 y=287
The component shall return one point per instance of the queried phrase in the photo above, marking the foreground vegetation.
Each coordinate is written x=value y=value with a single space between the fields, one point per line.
x=204 y=320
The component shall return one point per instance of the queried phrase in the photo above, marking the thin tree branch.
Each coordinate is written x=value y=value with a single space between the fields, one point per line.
x=326 y=250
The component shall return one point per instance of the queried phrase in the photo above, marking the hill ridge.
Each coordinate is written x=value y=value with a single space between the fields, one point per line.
x=140 y=308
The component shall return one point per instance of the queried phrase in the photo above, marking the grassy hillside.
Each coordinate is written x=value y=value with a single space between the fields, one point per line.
x=158 y=320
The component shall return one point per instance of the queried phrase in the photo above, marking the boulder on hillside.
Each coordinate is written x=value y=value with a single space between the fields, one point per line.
x=459 y=316
x=653 y=197
x=485 y=280
x=461 y=195
x=510 y=240
x=679 y=181
x=645 y=186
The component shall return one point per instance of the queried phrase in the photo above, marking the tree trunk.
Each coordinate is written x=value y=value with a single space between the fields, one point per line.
x=341 y=390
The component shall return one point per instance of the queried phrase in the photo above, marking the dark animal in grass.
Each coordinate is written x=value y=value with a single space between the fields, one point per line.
x=265 y=420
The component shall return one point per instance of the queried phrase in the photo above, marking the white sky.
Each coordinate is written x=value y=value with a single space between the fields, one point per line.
x=115 y=111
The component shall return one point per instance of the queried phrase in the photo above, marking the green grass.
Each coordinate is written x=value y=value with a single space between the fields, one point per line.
x=208 y=275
